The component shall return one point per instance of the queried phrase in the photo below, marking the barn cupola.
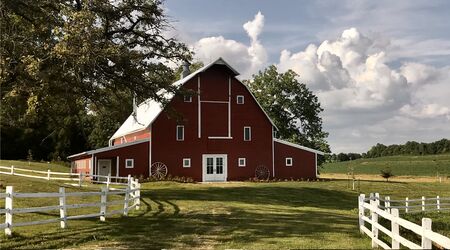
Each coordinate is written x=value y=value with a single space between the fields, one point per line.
x=186 y=71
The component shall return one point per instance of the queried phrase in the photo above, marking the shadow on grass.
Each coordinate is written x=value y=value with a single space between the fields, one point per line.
x=162 y=224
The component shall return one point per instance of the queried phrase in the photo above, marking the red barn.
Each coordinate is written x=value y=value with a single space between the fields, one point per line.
x=219 y=134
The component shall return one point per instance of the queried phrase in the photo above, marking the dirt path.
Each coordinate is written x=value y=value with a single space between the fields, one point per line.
x=369 y=177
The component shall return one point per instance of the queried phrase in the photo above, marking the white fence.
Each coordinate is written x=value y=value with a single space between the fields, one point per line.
x=416 y=205
x=131 y=194
x=75 y=177
x=374 y=209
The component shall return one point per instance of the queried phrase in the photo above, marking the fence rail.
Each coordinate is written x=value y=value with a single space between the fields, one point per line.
x=79 y=178
x=407 y=205
x=375 y=210
x=131 y=200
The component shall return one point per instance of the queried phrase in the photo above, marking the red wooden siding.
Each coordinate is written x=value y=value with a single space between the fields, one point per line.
x=214 y=87
x=144 y=134
x=303 y=165
x=81 y=165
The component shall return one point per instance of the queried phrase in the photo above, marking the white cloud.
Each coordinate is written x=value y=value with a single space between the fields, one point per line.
x=247 y=59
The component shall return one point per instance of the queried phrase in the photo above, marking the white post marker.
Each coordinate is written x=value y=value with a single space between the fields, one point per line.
x=423 y=203
x=9 y=210
x=395 y=229
x=406 y=205
x=426 y=225
x=103 y=201
x=438 y=203
x=62 y=207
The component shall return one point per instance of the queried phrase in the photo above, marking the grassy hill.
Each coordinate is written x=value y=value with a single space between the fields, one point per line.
x=237 y=215
x=429 y=165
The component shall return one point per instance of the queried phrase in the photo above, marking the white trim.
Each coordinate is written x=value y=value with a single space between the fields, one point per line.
x=132 y=163
x=199 y=110
x=187 y=159
x=249 y=134
x=220 y=137
x=187 y=96
x=225 y=165
x=150 y=151
x=316 y=166
x=273 y=155
x=91 y=170
x=239 y=162
x=100 y=150
x=117 y=166
x=237 y=99
x=229 y=106
x=182 y=138
x=95 y=166
x=299 y=146
x=223 y=102
x=289 y=159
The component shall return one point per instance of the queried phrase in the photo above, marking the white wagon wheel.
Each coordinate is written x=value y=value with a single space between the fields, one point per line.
x=262 y=172
x=158 y=170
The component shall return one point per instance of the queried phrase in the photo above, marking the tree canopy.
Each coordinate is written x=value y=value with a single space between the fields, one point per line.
x=69 y=70
x=293 y=108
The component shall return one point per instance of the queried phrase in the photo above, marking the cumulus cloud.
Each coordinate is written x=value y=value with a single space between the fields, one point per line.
x=247 y=59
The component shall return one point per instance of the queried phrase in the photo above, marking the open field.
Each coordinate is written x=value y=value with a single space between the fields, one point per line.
x=429 y=165
x=223 y=215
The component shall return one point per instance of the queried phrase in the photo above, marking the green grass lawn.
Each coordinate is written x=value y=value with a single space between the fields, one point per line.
x=429 y=165
x=228 y=215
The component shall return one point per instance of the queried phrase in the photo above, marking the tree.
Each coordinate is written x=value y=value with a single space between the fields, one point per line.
x=293 y=108
x=66 y=65
x=386 y=173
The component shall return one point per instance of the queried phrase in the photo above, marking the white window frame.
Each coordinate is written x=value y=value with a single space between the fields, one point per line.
x=249 y=133
x=177 y=135
x=126 y=163
x=239 y=162
x=184 y=161
x=237 y=99
x=187 y=98
x=291 y=161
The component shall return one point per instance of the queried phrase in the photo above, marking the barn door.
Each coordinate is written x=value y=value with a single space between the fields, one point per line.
x=214 y=168
x=104 y=169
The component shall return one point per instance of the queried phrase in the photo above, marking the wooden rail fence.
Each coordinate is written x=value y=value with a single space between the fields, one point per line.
x=423 y=204
x=131 y=196
x=375 y=210
x=73 y=177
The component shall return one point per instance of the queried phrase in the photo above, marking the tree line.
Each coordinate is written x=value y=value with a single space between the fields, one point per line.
x=69 y=71
x=409 y=148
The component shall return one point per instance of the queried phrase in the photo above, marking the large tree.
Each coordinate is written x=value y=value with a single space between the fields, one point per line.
x=294 y=109
x=69 y=68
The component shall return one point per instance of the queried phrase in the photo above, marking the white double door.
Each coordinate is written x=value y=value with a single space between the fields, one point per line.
x=214 y=167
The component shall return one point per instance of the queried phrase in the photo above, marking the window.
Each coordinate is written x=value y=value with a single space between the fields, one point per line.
x=241 y=162
x=180 y=133
x=247 y=133
x=240 y=99
x=129 y=163
x=186 y=162
x=289 y=162
x=187 y=98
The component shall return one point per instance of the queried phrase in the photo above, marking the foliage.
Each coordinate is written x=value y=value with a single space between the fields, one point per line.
x=410 y=148
x=293 y=108
x=386 y=173
x=69 y=70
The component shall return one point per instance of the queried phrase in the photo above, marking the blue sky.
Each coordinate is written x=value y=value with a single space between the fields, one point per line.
x=380 y=68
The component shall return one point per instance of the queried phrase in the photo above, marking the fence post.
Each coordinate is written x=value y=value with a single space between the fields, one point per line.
x=387 y=204
x=9 y=210
x=80 y=176
x=125 y=204
x=438 y=204
x=374 y=218
x=395 y=229
x=361 y=211
x=12 y=169
x=426 y=225
x=62 y=207
x=129 y=179
x=423 y=203
x=138 y=195
x=406 y=205
x=108 y=180
x=48 y=174
x=103 y=202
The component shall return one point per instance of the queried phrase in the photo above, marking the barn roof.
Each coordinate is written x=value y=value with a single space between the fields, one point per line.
x=298 y=146
x=149 y=110
x=104 y=149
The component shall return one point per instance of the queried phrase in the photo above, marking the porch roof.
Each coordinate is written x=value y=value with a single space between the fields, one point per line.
x=104 y=149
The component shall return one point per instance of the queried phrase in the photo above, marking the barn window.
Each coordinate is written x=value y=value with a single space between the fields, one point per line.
x=241 y=162
x=129 y=163
x=240 y=99
x=186 y=162
x=180 y=133
x=247 y=133
x=187 y=98
x=289 y=162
